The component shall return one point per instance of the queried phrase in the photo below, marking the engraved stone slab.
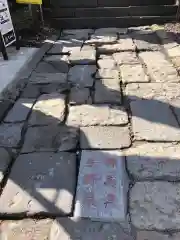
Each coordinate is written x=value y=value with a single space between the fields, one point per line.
x=102 y=186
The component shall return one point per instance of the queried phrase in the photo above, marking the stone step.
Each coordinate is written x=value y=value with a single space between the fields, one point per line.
x=99 y=22
x=161 y=10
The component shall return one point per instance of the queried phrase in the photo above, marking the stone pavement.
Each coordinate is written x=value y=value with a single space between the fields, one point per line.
x=90 y=146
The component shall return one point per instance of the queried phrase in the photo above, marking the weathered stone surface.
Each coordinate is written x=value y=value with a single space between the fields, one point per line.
x=154 y=161
x=59 y=63
x=102 y=186
x=31 y=91
x=102 y=38
x=106 y=62
x=85 y=229
x=4 y=106
x=92 y=115
x=125 y=58
x=80 y=34
x=99 y=137
x=82 y=75
x=26 y=229
x=65 y=46
x=83 y=57
x=100 y=31
x=158 y=91
x=10 y=135
x=146 y=42
x=133 y=73
x=173 y=52
x=176 y=62
x=107 y=91
x=80 y=96
x=4 y=162
x=47 y=78
x=20 y=110
x=153 y=120
x=107 y=74
x=46 y=184
x=149 y=235
x=158 y=68
x=155 y=205
x=50 y=138
x=49 y=109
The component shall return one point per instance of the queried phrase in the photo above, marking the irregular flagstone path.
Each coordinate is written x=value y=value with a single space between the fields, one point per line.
x=90 y=144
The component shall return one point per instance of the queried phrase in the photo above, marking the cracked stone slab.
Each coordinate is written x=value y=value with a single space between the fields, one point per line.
x=126 y=58
x=5 y=160
x=44 y=176
x=106 y=62
x=58 y=63
x=150 y=161
x=92 y=115
x=107 y=91
x=85 y=229
x=4 y=107
x=153 y=120
x=175 y=104
x=154 y=205
x=10 y=134
x=147 y=42
x=82 y=75
x=102 y=186
x=103 y=137
x=26 y=229
x=49 y=109
x=65 y=46
x=158 y=68
x=153 y=91
x=106 y=73
x=50 y=138
x=20 y=110
x=83 y=56
x=133 y=73
x=47 y=78
x=79 y=96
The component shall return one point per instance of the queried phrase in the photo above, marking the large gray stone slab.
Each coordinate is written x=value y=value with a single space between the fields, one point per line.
x=59 y=63
x=82 y=75
x=146 y=42
x=154 y=205
x=106 y=73
x=46 y=184
x=158 y=68
x=20 y=110
x=26 y=229
x=83 y=57
x=4 y=107
x=175 y=104
x=100 y=137
x=107 y=91
x=85 y=229
x=80 y=34
x=91 y=115
x=80 y=96
x=102 y=186
x=49 y=109
x=150 y=161
x=47 y=78
x=5 y=160
x=153 y=120
x=126 y=58
x=133 y=73
x=50 y=138
x=10 y=135
x=149 y=235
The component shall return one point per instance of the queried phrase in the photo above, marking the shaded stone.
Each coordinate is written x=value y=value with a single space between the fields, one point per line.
x=49 y=109
x=80 y=34
x=47 y=78
x=10 y=135
x=158 y=68
x=102 y=186
x=31 y=91
x=102 y=31
x=107 y=91
x=125 y=58
x=155 y=205
x=91 y=115
x=82 y=75
x=46 y=184
x=106 y=73
x=26 y=229
x=83 y=57
x=102 y=38
x=58 y=63
x=165 y=92
x=153 y=120
x=50 y=138
x=106 y=62
x=20 y=110
x=85 y=229
x=146 y=42
x=99 y=137
x=175 y=104
x=4 y=162
x=4 y=106
x=80 y=96
x=154 y=161
x=133 y=73
x=149 y=235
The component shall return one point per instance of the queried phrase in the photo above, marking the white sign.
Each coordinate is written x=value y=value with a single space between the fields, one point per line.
x=6 y=26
